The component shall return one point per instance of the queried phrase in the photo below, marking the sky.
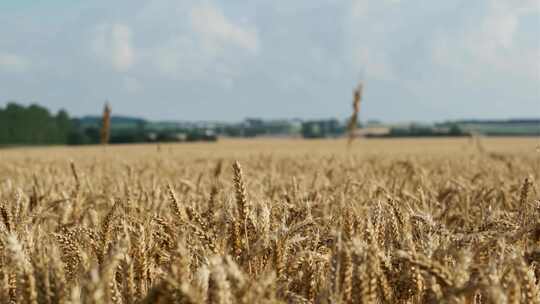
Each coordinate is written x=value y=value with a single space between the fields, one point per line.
x=226 y=60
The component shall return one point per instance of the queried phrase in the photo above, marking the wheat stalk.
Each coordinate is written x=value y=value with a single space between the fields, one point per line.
x=105 y=132
x=353 y=121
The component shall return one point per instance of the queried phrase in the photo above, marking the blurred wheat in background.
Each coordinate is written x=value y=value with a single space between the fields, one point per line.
x=353 y=122
x=105 y=132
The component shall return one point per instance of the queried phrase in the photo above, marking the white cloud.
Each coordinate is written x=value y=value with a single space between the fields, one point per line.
x=362 y=8
x=182 y=58
x=132 y=84
x=368 y=33
x=216 y=29
x=206 y=43
x=112 y=43
x=13 y=62
x=375 y=64
x=387 y=41
x=487 y=44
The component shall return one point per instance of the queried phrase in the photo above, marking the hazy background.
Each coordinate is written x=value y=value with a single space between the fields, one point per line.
x=226 y=60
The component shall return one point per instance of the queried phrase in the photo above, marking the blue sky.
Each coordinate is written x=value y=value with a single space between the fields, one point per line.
x=230 y=59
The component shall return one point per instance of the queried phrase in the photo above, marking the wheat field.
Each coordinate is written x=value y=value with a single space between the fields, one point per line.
x=272 y=221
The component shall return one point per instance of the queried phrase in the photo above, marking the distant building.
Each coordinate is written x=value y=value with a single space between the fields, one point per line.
x=322 y=128
x=373 y=131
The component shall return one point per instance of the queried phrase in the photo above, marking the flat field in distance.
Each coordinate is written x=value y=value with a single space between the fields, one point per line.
x=447 y=220
x=422 y=147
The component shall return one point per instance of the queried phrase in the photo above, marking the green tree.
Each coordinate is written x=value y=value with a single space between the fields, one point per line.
x=33 y=125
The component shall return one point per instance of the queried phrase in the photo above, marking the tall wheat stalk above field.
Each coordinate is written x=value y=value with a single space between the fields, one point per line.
x=106 y=124
x=353 y=122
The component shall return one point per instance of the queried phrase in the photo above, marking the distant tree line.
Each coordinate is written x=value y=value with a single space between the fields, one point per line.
x=36 y=125
x=33 y=125
x=253 y=127
x=415 y=130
